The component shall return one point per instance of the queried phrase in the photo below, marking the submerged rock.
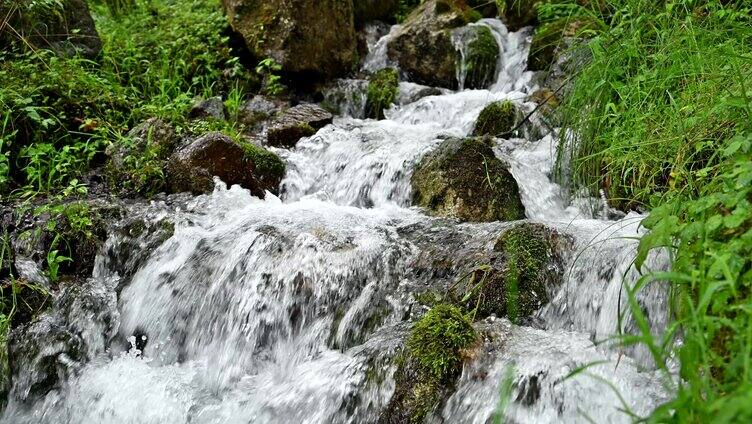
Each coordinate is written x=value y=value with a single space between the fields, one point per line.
x=497 y=119
x=463 y=178
x=193 y=167
x=423 y=47
x=382 y=91
x=307 y=37
x=65 y=27
x=297 y=122
x=212 y=108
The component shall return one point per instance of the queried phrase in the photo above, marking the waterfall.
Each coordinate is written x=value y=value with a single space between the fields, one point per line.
x=293 y=308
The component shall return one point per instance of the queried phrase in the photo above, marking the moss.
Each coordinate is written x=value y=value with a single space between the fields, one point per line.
x=496 y=119
x=269 y=169
x=438 y=339
x=463 y=178
x=482 y=58
x=382 y=90
x=429 y=367
x=520 y=288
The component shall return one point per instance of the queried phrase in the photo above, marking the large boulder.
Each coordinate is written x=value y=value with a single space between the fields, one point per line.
x=65 y=27
x=297 y=122
x=207 y=109
x=424 y=48
x=463 y=178
x=374 y=10
x=193 y=167
x=306 y=37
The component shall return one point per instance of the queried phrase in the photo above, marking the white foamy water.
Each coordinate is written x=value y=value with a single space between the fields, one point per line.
x=291 y=309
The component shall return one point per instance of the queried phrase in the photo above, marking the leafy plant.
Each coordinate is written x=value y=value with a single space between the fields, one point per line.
x=269 y=69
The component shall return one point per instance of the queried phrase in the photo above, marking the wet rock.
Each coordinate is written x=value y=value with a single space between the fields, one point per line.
x=137 y=165
x=374 y=10
x=65 y=27
x=346 y=97
x=525 y=266
x=497 y=119
x=423 y=47
x=193 y=167
x=463 y=179
x=258 y=109
x=410 y=92
x=74 y=230
x=308 y=38
x=46 y=352
x=428 y=370
x=297 y=122
x=482 y=56
x=212 y=108
x=382 y=91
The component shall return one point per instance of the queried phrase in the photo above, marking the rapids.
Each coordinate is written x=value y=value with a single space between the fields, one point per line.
x=291 y=309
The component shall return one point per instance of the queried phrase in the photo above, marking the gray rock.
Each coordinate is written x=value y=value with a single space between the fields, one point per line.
x=297 y=122
x=212 y=108
x=257 y=109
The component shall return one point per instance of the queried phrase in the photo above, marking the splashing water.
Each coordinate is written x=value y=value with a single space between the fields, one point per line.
x=293 y=309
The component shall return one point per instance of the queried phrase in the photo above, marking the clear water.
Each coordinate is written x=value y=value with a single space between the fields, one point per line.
x=290 y=309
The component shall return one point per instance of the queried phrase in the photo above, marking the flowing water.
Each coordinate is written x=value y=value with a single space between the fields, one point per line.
x=291 y=309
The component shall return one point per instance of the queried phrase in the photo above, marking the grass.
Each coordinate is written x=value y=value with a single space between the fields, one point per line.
x=662 y=122
x=59 y=114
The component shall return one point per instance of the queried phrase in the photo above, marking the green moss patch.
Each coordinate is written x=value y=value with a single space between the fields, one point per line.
x=431 y=364
x=496 y=119
x=382 y=90
x=269 y=169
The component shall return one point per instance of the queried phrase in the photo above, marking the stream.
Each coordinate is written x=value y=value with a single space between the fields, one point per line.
x=292 y=309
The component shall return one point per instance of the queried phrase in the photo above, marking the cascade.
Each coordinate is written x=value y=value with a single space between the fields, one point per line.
x=293 y=308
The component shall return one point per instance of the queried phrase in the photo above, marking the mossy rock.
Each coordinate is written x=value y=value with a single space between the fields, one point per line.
x=268 y=168
x=423 y=48
x=497 y=119
x=463 y=178
x=482 y=58
x=428 y=369
x=531 y=265
x=382 y=90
